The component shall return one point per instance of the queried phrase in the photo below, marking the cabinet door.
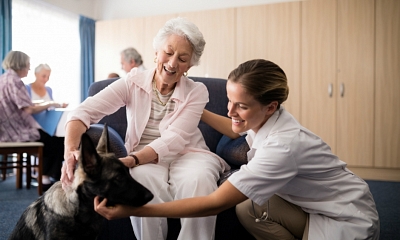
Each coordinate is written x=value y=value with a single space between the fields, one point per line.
x=318 y=68
x=272 y=32
x=387 y=68
x=355 y=82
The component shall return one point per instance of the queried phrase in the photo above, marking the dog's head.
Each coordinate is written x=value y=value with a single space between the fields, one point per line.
x=107 y=177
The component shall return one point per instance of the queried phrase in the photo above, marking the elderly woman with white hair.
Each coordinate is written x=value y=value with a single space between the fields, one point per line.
x=167 y=152
x=38 y=89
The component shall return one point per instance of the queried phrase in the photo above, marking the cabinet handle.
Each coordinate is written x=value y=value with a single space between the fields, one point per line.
x=330 y=90
x=342 y=89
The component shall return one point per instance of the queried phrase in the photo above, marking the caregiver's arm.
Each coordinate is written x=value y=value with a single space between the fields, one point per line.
x=220 y=123
x=226 y=196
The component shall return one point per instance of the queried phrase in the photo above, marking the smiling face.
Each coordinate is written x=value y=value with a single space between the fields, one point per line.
x=246 y=112
x=43 y=76
x=173 y=59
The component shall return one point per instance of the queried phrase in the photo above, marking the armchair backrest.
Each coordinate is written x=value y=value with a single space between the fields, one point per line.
x=117 y=120
x=217 y=103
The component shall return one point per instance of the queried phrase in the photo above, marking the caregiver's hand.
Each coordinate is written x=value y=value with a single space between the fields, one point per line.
x=111 y=212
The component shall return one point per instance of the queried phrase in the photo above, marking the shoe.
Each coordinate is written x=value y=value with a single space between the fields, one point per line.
x=34 y=175
x=53 y=180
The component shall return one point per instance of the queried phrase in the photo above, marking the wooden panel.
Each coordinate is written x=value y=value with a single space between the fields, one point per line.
x=318 y=68
x=272 y=32
x=111 y=38
x=381 y=174
x=251 y=34
x=355 y=109
x=387 y=88
x=151 y=26
x=218 y=28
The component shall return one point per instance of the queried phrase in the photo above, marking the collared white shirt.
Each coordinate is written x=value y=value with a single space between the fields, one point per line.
x=289 y=160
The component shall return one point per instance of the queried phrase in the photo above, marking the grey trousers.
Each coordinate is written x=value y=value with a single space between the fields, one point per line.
x=285 y=220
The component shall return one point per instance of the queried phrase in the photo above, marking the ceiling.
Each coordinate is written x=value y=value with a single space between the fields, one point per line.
x=119 y=9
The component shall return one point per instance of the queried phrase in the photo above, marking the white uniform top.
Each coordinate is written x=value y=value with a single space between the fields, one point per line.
x=289 y=160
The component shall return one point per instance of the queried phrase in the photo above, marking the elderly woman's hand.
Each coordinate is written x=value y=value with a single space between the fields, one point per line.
x=57 y=104
x=67 y=171
x=65 y=105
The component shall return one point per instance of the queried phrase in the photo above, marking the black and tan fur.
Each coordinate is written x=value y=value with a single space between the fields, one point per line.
x=69 y=214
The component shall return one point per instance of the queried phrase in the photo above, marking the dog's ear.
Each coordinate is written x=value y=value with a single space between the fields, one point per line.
x=88 y=157
x=104 y=142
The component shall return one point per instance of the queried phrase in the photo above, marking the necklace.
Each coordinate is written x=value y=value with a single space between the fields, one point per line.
x=158 y=97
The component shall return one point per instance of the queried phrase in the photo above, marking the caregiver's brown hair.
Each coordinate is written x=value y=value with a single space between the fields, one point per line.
x=262 y=79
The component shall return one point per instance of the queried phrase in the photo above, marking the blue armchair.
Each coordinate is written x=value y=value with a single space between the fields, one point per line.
x=233 y=151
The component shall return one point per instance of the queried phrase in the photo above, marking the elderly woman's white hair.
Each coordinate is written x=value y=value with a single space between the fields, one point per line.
x=182 y=27
x=42 y=66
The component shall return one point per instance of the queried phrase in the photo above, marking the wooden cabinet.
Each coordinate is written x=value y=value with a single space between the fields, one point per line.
x=338 y=76
x=387 y=84
x=318 y=68
x=350 y=85
x=354 y=86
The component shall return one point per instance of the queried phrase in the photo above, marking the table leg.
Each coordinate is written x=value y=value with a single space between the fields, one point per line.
x=19 y=171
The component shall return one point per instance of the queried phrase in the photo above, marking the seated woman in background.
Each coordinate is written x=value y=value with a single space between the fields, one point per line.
x=16 y=121
x=293 y=186
x=38 y=89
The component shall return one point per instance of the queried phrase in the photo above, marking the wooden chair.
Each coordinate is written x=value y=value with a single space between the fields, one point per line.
x=19 y=148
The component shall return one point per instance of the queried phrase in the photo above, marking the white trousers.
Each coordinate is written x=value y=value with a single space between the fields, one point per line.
x=177 y=177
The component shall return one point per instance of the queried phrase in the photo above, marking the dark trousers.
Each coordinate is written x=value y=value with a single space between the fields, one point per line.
x=53 y=154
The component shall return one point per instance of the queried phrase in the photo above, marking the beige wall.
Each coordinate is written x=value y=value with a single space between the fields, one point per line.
x=233 y=35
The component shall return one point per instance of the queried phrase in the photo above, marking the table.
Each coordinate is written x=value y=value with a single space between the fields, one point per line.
x=22 y=163
x=53 y=121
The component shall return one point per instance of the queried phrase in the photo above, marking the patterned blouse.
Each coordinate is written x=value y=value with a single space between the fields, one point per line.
x=15 y=124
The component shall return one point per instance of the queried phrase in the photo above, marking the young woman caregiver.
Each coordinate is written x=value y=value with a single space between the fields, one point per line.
x=293 y=186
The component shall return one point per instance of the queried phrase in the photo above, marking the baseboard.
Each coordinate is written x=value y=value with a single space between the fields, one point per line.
x=381 y=174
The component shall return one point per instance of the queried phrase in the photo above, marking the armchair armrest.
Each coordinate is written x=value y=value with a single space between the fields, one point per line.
x=234 y=152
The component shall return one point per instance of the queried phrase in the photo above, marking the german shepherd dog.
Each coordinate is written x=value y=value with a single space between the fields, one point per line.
x=69 y=214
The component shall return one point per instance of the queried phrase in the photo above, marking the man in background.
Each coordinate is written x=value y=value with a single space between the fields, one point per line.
x=131 y=58
x=113 y=75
